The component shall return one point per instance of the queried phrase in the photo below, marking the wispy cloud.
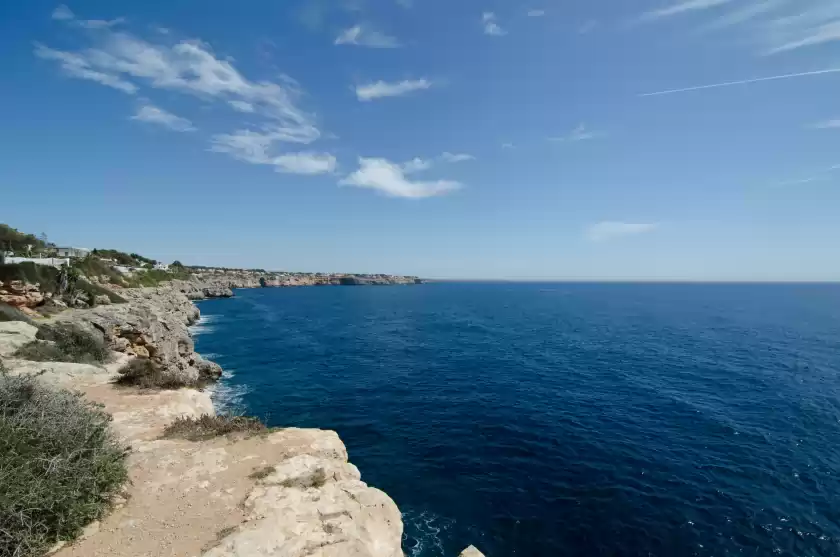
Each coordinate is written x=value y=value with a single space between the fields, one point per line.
x=154 y=115
x=821 y=34
x=828 y=124
x=508 y=145
x=491 y=27
x=610 y=230
x=362 y=36
x=390 y=179
x=127 y=63
x=741 y=82
x=418 y=165
x=580 y=133
x=456 y=157
x=683 y=7
x=382 y=89
x=63 y=13
x=587 y=27
x=536 y=13
x=80 y=66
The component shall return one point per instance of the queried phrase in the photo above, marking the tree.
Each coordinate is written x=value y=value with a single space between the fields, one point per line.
x=177 y=264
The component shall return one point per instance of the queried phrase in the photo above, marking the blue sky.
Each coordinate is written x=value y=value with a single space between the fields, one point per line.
x=478 y=138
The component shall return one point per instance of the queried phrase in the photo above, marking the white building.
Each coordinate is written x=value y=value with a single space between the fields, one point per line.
x=161 y=266
x=73 y=252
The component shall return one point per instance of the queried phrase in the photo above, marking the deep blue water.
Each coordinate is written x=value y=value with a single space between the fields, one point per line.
x=562 y=419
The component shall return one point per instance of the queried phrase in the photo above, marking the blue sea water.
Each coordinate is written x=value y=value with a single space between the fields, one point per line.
x=562 y=419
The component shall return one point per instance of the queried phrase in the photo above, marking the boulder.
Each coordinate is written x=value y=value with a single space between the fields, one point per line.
x=471 y=551
x=102 y=300
x=13 y=335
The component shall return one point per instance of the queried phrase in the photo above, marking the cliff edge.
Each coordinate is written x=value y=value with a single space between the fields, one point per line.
x=285 y=492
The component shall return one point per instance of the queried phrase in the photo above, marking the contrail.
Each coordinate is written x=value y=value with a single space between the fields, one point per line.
x=743 y=82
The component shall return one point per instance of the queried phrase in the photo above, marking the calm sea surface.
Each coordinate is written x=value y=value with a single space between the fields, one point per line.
x=562 y=419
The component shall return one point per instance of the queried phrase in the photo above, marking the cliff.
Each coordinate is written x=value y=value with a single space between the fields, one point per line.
x=287 y=492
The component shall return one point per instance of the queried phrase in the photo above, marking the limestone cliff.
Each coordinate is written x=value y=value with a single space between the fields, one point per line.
x=290 y=492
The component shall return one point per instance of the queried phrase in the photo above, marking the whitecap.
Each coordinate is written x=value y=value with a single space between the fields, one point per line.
x=424 y=533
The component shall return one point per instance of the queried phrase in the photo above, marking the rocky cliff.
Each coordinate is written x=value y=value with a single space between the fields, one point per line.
x=289 y=492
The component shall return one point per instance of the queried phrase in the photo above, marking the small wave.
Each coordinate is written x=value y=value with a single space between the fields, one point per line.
x=424 y=533
x=205 y=324
x=228 y=398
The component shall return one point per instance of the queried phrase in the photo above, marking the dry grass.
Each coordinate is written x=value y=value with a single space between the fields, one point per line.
x=208 y=427
x=261 y=473
x=59 y=465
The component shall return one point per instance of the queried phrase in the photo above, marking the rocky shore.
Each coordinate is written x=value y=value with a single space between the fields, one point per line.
x=288 y=492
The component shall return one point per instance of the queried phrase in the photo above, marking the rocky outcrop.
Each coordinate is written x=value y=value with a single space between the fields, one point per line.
x=13 y=335
x=154 y=324
x=471 y=551
x=21 y=295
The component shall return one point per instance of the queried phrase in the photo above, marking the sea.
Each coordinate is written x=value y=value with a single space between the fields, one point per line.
x=560 y=419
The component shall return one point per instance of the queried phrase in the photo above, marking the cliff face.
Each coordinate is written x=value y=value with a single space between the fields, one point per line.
x=289 y=492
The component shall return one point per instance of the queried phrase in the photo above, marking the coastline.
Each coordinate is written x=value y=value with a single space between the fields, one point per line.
x=289 y=491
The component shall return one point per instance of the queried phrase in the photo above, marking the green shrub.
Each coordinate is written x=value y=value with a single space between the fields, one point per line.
x=75 y=344
x=59 y=465
x=146 y=374
x=207 y=427
x=41 y=351
x=31 y=273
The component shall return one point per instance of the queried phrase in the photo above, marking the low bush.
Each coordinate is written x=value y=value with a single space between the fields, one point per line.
x=75 y=344
x=41 y=351
x=207 y=427
x=59 y=465
x=146 y=374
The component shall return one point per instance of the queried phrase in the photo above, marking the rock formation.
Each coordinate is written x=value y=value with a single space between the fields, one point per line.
x=289 y=492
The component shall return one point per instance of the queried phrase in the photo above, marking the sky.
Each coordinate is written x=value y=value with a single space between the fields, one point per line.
x=493 y=139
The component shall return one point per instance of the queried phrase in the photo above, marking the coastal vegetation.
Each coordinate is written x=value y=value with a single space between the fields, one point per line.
x=144 y=373
x=208 y=426
x=59 y=465
x=61 y=342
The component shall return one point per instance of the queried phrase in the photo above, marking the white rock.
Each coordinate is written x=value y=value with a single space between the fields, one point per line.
x=471 y=551
x=13 y=335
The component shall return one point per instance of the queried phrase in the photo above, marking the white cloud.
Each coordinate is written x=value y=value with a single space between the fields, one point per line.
x=155 y=115
x=306 y=163
x=382 y=89
x=360 y=36
x=491 y=27
x=828 y=124
x=456 y=157
x=125 y=62
x=78 y=66
x=684 y=7
x=389 y=179
x=587 y=27
x=256 y=148
x=418 y=165
x=508 y=145
x=536 y=13
x=609 y=230
x=741 y=82
x=62 y=13
x=242 y=106
x=580 y=133
x=821 y=34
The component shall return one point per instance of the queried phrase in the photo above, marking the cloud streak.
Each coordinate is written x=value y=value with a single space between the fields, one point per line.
x=361 y=36
x=491 y=27
x=389 y=179
x=580 y=133
x=154 y=115
x=611 y=230
x=741 y=82
x=381 y=89
x=684 y=7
